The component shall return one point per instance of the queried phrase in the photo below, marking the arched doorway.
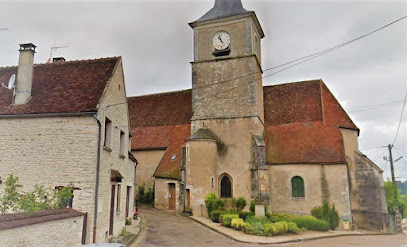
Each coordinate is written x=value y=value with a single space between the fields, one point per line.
x=226 y=186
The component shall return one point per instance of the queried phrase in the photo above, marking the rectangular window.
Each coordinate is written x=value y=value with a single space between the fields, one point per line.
x=122 y=144
x=108 y=133
x=118 y=198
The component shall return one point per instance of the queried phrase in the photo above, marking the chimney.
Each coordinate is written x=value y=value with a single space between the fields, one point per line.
x=25 y=73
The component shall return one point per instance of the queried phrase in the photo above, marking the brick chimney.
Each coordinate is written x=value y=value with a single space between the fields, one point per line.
x=24 y=73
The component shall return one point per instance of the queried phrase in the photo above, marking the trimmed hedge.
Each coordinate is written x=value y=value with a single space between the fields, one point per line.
x=293 y=228
x=237 y=224
x=215 y=215
x=302 y=221
x=227 y=219
x=281 y=227
x=245 y=227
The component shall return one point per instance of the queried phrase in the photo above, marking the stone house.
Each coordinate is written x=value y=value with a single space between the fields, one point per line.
x=67 y=122
x=291 y=146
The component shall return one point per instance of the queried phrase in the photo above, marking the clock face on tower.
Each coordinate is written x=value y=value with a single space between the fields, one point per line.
x=221 y=41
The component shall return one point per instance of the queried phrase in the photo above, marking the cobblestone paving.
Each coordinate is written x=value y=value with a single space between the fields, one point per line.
x=167 y=229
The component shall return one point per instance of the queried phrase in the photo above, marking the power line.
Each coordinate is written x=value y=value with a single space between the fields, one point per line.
x=373 y=147
x=304 y=59
x=373 y=107
x=401 y=118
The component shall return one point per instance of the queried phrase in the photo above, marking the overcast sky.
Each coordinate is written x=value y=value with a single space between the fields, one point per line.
x=369 y=77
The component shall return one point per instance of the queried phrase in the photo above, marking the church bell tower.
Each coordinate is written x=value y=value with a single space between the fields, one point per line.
x=227 y=125
x=226 y=71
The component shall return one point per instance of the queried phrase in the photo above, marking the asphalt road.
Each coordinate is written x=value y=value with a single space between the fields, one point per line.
x=167 y=229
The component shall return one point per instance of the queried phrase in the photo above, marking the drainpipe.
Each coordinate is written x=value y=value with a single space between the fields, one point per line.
x=97 y=179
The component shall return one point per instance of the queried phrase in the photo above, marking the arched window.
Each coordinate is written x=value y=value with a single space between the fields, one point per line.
x=297 y=185
x=225 y=187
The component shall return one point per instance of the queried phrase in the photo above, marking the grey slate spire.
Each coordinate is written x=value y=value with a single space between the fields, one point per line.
x=224 y=8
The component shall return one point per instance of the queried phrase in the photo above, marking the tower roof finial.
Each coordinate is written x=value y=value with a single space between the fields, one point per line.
x=224 y=8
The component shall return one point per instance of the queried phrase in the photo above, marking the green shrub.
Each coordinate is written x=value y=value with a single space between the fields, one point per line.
x=30 y=202
x=255 y=229
x=268 y=229
x=212 y=202
x=261 y=220
x=227 y=219
x=237 y=224
x=252 y=206
x=302 y=221
x=244 y=215
x=145 y=195
x=311 y=223
x=293 y=228
x=215 y=215
x=240 y=203
x=245 y=227
x=327 y=214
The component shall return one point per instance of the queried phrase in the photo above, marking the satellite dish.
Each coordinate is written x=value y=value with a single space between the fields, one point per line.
x=11 y=81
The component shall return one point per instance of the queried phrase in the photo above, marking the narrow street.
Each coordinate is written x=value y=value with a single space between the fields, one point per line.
x=167 y=229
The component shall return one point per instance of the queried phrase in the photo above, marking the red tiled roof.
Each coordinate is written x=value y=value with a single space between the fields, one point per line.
x=63 y=87
x=292 y=102
x=168 y=167
x=334 y=114
x=302 y=122
x=160 y=109
x=303 y=102
x=303 y=143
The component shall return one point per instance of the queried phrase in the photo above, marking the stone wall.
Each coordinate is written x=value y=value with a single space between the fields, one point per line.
x=113 y=105
x=332 y=186
x=366 y=185
x=53 y=231
x=235 y=158
x=162 y=193
x=368 y=195
x=52 y=151
x=148 y=162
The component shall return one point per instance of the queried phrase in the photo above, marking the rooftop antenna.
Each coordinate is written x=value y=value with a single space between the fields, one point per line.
x=11 y=82
x=55 y=48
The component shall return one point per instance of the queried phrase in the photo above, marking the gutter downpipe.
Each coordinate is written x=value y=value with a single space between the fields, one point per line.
x=97 y=179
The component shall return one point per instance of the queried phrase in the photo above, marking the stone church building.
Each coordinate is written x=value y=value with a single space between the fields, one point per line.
x=290 y=145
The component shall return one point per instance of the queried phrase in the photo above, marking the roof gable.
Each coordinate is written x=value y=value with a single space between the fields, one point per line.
x=292 y=102
x=63 y=87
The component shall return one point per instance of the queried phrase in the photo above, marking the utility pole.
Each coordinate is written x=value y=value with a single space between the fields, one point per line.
x=393 y=179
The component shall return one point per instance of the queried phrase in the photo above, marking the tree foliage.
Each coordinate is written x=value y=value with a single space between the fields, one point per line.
x=391 y=200
x=30 y=202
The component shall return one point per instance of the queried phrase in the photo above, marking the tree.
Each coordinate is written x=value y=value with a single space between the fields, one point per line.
x=391 y=201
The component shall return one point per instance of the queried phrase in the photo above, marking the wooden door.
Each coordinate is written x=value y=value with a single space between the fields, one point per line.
x=127 y=201
x=172 y=196
x=188 y=199
x=112 y=209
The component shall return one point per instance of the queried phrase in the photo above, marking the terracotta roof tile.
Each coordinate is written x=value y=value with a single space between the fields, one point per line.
x=63 y=87
x=161 y=109
x=303 y=143
x=168 y=167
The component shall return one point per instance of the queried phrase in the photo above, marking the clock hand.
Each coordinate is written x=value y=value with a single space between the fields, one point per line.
x=220 y=39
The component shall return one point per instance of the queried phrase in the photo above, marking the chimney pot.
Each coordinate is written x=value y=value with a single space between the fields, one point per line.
x=58 y=59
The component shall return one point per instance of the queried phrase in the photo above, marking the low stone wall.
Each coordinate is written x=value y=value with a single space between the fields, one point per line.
x=60 y=227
